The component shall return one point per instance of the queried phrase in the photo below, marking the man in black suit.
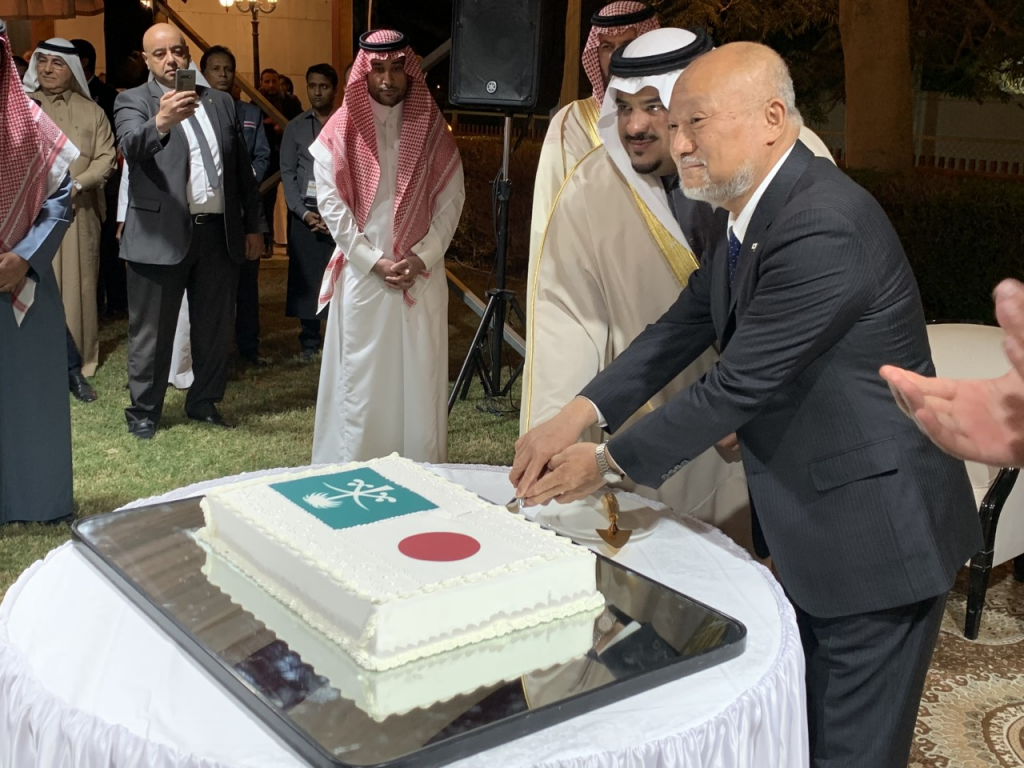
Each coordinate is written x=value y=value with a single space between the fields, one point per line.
x=193 y=217
x=808 y=293
x=112 y=293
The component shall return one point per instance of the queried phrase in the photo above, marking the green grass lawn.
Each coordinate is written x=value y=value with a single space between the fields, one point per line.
x=272 y=407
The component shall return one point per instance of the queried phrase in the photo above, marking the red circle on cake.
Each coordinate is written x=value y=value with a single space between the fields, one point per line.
x=439 y=547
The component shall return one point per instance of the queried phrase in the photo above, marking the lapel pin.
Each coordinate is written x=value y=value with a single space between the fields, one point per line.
x=753 y=247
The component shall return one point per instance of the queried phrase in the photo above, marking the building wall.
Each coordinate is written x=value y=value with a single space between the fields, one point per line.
x=295 y=36
x=88 y=28
x=948 y=127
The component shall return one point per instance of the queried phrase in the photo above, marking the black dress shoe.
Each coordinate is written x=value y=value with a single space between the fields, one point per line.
x=143 y=430
x=214 y=419
x=81 y=388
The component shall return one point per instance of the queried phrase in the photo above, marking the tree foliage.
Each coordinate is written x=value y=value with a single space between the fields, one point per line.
x=966 y=48
x=969 y=48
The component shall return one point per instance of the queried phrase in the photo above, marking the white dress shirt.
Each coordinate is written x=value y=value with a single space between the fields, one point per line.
x=738 y=224
x=202 y=198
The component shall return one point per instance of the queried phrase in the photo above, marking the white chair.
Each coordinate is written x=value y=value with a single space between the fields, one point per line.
x=967 y=351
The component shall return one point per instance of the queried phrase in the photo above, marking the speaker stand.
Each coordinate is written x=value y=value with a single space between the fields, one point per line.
x=484 y=356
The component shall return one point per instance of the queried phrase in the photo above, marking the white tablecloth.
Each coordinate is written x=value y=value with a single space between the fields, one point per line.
x=88 y=681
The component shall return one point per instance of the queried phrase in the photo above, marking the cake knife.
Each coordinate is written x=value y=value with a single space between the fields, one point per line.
x=613 y=536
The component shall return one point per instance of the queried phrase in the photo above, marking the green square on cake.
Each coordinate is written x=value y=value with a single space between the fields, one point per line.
x=348 y=499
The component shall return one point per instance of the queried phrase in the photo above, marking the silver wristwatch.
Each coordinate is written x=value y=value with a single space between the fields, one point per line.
x=610 y=475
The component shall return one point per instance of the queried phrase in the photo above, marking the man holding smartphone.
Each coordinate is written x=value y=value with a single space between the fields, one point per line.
x=193 y=217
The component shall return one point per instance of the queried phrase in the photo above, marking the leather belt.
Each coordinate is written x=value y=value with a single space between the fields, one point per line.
x=207 y=218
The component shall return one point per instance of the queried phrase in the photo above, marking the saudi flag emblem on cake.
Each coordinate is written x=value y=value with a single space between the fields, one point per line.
x=347 y=499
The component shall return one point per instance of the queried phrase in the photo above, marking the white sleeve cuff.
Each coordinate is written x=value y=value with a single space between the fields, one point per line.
x=600 y=417
x=364 y=255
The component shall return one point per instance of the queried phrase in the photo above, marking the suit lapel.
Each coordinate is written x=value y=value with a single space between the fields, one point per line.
x=771 y=203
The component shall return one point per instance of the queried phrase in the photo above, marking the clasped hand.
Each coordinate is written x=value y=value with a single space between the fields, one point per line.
x=550 y=464
x=175 y=107
x=315 y=222
x=13 y=269
x=400 y=275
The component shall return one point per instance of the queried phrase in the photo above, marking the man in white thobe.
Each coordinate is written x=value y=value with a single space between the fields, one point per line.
x=389 y=187
x=572 y=132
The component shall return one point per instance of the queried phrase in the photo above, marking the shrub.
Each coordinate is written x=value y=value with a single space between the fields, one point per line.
x=474 y=240
x=962 y=234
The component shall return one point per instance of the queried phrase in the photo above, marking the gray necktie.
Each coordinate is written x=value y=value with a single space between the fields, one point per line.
x=204 y=150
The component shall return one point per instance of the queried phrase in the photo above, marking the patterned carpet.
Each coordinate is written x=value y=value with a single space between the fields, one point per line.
x=972 y=712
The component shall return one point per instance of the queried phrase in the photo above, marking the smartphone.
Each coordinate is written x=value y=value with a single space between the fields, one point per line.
x=185 y=80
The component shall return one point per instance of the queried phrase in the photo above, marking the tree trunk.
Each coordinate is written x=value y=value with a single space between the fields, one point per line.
x=571 y=68
x=342 y=45
x=879 y=104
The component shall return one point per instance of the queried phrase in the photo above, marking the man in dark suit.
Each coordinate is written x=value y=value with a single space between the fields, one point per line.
x=112 y=293
x=808 y=293
x=193 y=217
x=218 y=67
x=101 y=93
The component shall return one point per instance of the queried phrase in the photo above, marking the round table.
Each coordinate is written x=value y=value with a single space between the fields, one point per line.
x=87 y=680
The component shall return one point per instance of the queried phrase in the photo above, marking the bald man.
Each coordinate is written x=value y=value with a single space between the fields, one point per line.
x=806 y=293
x=193 y=217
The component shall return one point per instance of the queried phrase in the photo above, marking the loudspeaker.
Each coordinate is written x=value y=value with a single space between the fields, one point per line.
x=507 y=54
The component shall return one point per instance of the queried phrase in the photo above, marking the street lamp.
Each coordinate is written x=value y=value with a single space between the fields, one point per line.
x=255 y=8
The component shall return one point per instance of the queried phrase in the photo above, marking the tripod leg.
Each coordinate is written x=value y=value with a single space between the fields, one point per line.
x=481 y=371
x=471 y=361
x=518 y=310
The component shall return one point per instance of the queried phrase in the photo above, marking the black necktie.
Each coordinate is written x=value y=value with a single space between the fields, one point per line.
x=735 y=246
x=204 y=149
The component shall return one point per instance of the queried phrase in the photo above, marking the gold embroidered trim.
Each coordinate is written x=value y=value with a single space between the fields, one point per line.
x=680 y=259
x=589 y=112
x=528 y=380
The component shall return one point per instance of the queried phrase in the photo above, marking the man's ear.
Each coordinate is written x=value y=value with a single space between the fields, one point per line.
x=775 y=114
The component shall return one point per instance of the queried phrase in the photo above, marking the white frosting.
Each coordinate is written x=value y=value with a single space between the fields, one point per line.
x=421 y=683
x=384 y=608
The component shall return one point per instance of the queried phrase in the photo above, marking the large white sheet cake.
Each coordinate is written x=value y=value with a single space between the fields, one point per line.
x=394 y=563
x=422 y=683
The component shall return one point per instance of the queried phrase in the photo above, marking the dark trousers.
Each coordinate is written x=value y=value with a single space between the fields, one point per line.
x=865 y=676
x=311 y=333
x=112 y=285
x=154 y=299
x=247 y=308
x=74 y=356
x=269 y=202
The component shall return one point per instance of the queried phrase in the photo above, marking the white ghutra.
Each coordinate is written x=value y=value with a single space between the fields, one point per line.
x=359 y=490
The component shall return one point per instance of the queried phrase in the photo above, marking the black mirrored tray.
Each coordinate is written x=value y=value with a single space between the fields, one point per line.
x=453 y=705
